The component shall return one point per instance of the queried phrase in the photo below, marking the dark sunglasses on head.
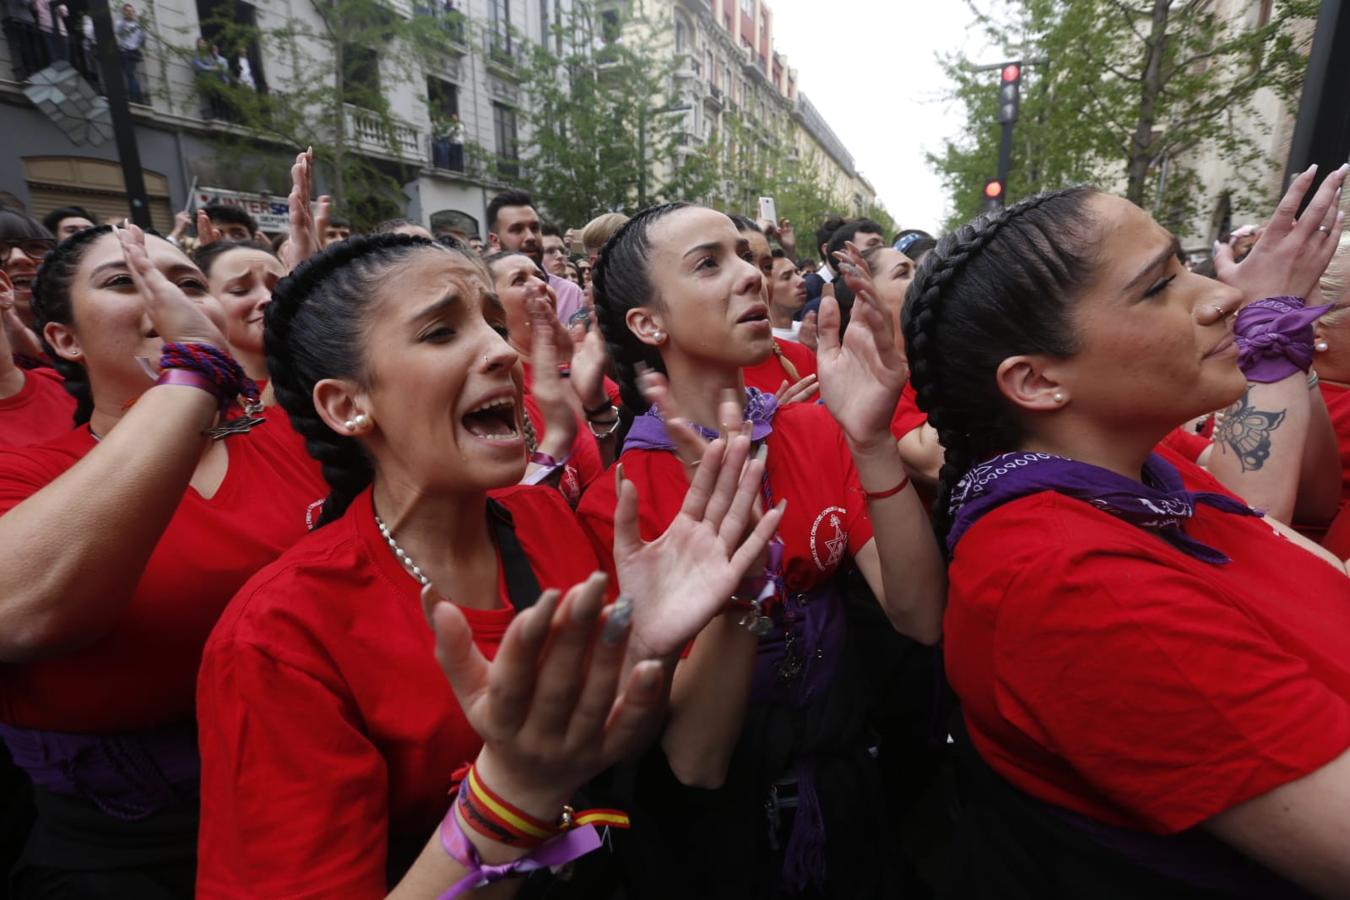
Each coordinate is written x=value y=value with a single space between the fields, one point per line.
x=33 y=247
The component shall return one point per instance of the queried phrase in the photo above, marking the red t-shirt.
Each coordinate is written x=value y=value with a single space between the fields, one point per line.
x=584 y=466
x=41 y=411
x=808 y=463
x=1338 y=535
x=326 y=725
x=907 y=416
x=1186 y=443
x=769 y=375
x=1104 y=671
x=141 y=674
x=1337 y=397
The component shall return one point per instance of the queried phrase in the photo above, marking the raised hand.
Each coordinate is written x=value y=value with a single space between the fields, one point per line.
x=306 y=233
x=809 y=333
x=683 y=579
x=550 y=706
x=550 y=389
x=207 y=233
x=1291 y=253
x=18 y=337
x=176 y=317
x=689 y=444
x=589 y=359
x=861 y=376
x=787 y=238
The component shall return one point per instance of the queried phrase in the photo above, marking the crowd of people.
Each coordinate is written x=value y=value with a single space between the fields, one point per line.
x=658 y=556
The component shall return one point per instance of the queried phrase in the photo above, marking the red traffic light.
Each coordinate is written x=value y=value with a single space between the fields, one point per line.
x=1011 y=72
x=993 y=189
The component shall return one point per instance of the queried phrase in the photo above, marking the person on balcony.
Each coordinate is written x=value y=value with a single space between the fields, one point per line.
x=130 y=41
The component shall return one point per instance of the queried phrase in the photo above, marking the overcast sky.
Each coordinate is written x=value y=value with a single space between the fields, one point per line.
x=869 y=66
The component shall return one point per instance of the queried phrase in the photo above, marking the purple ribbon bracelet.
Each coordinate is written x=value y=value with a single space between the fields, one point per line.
x=1275 y=338
x=567 y=846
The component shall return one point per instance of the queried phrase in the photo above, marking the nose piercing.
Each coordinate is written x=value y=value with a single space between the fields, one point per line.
x=1222 y=313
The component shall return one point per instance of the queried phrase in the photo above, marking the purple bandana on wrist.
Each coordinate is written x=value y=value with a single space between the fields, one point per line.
x=648 y=431
x=1160 y=503
x=1275 y=338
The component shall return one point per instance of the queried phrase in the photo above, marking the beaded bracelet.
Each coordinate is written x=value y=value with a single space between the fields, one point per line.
x=217 y=372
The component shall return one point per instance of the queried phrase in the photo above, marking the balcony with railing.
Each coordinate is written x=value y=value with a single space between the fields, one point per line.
x=372 y=133
x=450 y=22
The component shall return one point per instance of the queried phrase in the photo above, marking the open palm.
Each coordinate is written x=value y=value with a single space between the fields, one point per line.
x=681 y=580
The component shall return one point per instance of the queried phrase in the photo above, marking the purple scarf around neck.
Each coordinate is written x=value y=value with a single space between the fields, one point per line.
x=1160 y=503
x=648 y=431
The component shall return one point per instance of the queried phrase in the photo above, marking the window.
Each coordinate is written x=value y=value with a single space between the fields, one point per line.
x=442 y=99
x=610 y=26
x=681 y=36
x=500 y=35
x=508 y=148
x=361 y=75
x=748 y=7
x=234 y=26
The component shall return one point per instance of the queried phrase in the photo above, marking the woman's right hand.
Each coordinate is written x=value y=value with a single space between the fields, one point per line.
x=550 y=707
x=550 y=390
x=306 y=229
x=176 y=317
x=1293 y=251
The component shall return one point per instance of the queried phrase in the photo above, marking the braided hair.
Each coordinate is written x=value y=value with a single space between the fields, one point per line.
x=619 y=282
x=51 y=303
x=314 y=329
x=999 y=286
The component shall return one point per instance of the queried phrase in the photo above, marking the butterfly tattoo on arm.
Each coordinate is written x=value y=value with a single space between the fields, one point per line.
x=1246 y=431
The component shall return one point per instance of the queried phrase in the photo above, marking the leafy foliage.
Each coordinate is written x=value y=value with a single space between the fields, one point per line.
x=1127 y=94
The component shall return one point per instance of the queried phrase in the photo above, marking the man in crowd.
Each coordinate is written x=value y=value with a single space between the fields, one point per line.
x=130 y=39
x=232 y=222
x=68 y=220
x=555 y=251
x=339 y=229
x=865 y=233
x=513 y=224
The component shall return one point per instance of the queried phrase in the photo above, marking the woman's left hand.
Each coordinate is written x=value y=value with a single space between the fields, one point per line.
x=681 y=580
x=589 y=359
x=550 y=389
x=861 y=376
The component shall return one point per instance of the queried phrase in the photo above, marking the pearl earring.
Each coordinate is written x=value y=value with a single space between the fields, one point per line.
x=356 y=422
x=1320 y=346
x=1058 y=397
x=659 y=337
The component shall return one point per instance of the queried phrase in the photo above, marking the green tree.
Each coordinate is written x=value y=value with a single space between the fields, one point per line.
x=341 y=64
x=1126 y=92
x=606 y=119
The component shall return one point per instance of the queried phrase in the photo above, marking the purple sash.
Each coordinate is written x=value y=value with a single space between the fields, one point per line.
x=1159 y=503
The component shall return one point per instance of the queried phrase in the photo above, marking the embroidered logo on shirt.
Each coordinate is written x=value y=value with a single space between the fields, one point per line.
x=312 y=511
x=834 y=540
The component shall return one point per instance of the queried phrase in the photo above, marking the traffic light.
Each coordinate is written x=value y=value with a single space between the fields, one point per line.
x=993 y=194
x=1009 y=91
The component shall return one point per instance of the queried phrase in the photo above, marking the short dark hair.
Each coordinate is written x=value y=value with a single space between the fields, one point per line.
x=17 y=225
x=548 y=229
x=339 y=222
x=825 y=232
x=780 y=253
x=205 y=257
x=744 y=224
x=53 y=219
x=510 y=197
x=222 y=214
x=844 y=233
x=389 y=226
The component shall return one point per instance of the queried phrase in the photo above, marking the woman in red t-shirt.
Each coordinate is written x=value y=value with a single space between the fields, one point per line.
x=1333 y=358
x=242 y=275
x=1154 y=679
x=34 y=405
x=567 y=418
x=677 y=291
x=120 y=543
x=329 y=737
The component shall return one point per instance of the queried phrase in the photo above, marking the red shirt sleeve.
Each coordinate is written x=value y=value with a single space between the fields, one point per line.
x=291 y=834
x=41 y=411
x=1186 y=443
x=907 y=416
x=1101 y=673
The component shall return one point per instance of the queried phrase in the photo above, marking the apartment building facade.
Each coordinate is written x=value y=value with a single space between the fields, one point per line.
x=180 y=141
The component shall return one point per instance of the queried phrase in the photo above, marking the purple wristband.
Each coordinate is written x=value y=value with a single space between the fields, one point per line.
x=193 y=379
x=1275 y=338
x=564 y=848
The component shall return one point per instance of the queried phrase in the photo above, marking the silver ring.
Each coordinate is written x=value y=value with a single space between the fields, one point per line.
x=1324 y=228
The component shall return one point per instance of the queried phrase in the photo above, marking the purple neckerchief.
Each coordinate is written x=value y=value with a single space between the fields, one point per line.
x=648 y=431
x=129 y=776
x=1275 y=338
x=1161 y=509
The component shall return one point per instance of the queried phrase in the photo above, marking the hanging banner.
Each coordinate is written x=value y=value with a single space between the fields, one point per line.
x=269 y=211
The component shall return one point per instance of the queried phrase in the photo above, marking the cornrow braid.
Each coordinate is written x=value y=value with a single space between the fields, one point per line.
x=51 y=303
x=313 y=329
x=620 y=282
x=996 y=287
